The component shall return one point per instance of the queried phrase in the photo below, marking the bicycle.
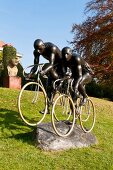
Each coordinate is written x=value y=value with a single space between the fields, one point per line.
x=32 y=99
x=85 y=113
x=63 y=110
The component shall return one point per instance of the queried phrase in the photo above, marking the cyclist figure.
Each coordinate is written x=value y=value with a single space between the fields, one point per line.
x=81 y=71
x=53 y=54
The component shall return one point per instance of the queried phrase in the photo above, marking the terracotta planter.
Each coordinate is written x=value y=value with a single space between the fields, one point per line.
x=12 y=82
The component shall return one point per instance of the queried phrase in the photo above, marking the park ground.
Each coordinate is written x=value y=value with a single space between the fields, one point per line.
x=18 y=150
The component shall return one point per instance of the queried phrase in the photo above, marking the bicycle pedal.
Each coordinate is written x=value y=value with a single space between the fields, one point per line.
x=69 y=113
x=42 y=112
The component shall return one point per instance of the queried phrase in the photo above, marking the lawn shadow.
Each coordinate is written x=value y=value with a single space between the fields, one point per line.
x=28 y=137
x=13 y=127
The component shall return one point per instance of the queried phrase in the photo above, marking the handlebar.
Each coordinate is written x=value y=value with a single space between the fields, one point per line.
x=39 y=68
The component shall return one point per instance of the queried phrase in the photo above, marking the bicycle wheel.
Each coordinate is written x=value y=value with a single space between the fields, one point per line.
x=31 y=101
x=87 y=116
x=63 y=116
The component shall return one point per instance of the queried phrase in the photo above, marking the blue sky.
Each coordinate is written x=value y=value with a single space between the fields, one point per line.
x=23 y=21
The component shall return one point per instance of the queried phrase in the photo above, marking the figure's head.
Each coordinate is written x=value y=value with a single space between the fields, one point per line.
x=66 y=53
x=39 y=46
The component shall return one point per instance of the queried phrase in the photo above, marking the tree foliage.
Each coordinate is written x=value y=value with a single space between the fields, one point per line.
x=93 y=39
x=9 y=52
x=1 y=55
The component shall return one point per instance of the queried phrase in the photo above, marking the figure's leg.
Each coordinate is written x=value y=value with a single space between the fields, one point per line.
x=85 y=80
x=49 y=93
x=49 y=87
x=74 y=93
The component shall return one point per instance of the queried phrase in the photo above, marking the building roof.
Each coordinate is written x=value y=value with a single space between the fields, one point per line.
x=1 y=43
x=1 y=48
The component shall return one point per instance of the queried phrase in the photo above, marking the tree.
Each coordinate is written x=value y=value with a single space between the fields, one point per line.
x=93 y=39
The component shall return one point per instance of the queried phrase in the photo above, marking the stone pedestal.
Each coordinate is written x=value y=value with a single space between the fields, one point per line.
x=47 y=139
x=12 y=82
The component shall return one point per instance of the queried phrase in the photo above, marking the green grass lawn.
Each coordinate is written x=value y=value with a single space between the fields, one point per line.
x=18 y=150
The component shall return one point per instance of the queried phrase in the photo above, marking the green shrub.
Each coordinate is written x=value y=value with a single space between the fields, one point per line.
x=108 y=92
x=101 y=91
x=94 y=89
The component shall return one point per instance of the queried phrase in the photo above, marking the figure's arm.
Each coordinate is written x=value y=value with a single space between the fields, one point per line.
x=89 y=68
x=64 y=68
x=36 y=61
x=50 y=65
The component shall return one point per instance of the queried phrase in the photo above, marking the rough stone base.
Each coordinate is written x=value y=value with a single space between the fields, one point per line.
x=47 y=139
